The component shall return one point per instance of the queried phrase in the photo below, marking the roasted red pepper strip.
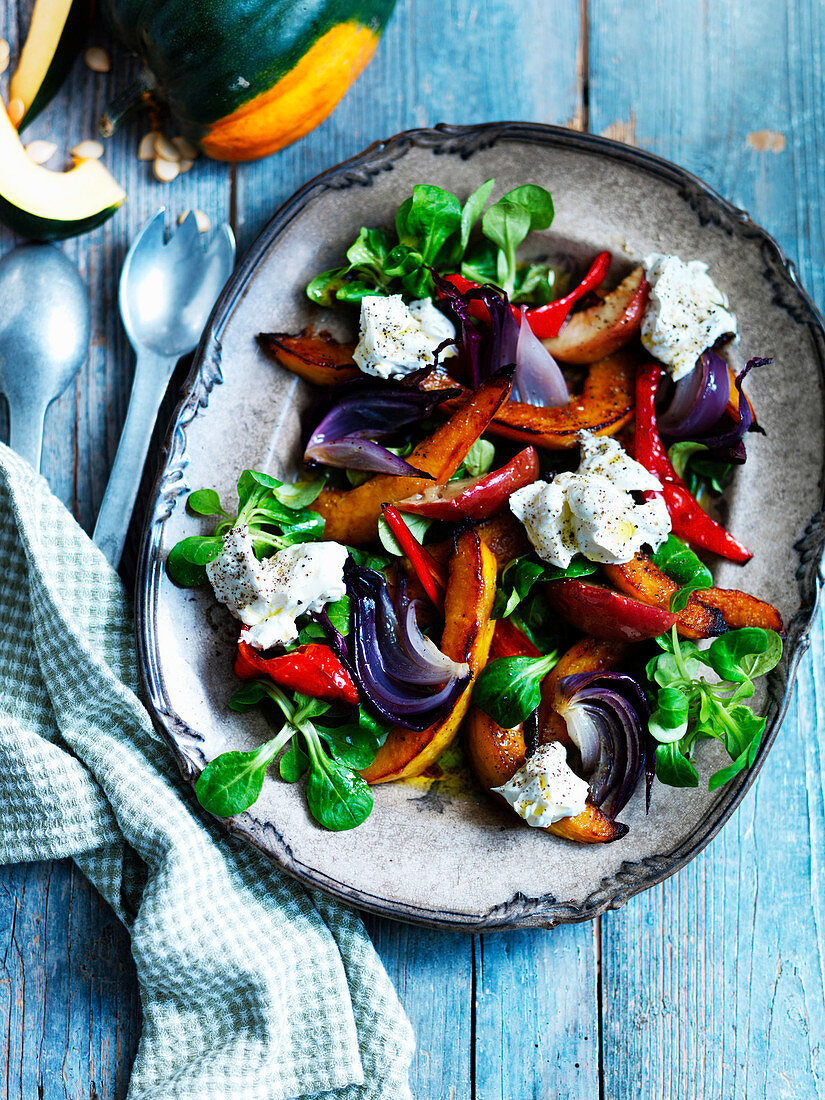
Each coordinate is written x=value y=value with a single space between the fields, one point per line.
x=690 y=521
x=475 y=497
x=509 y=641
x=547 y=320
x=430 y=573
x=312 y=669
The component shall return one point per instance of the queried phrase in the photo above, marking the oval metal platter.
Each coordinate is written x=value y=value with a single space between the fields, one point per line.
x=438 y=851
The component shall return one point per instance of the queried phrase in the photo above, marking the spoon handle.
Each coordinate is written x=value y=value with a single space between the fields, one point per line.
x=26 y=419
x=152 y=375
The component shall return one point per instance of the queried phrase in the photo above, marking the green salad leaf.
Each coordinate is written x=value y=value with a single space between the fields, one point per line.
x=418 y=526
x=690 y=708
x=678 y=561
x=521 y=575
x=697 y=472
x=328 y=745
x=508 y=689
x=432 y=232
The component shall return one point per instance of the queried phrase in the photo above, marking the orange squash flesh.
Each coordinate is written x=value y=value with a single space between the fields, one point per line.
x=605 y=405
x=299 y=102
x=709 y=612
x=315 y=356
x=352 y=515
x=495 y=754
x=467 y=634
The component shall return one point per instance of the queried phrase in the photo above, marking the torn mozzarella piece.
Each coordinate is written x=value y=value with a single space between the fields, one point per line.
x=397 y=339
x=545 y=789
x=686 y=312
x=268 y=596
x=592 y=511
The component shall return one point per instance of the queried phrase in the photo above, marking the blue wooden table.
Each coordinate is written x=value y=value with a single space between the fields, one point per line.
x=708 y=986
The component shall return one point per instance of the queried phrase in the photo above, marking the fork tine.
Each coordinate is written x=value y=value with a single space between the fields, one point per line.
x=222 y=246
x=152 y=233
x=186 y=239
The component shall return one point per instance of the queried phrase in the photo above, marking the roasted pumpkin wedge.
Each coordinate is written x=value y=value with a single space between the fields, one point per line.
x=56 y=35
x=505 y=536
x=316 y=356
x=604 y=407
x=467 y=634
x=709 y=612
x=602 y=329
x=352 y=515
x=496 y=754
x=48 y=206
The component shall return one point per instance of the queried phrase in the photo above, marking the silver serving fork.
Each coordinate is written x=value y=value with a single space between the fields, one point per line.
x=167 y=290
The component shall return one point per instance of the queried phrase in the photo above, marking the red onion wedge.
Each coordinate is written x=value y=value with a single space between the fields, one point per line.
x=699 y=399
x=606 y=716
x=538 y=380
x=402 y=676
x=482 y=349
x=363 y=412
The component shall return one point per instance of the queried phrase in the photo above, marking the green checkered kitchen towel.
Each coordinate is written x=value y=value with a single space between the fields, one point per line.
x=252 y=987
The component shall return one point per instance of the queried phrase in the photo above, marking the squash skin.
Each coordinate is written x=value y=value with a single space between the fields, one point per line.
x=246 y=78
x=35 y=228
x=72 y=38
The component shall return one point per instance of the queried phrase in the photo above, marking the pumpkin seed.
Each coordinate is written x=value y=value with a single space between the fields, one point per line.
x=185 y=165
x=185 y=148
x=40 y=151
x=15 y=110
x=165 y=149
x=146 y=149
x=201 y=220
x=97 y=59
x=165 y=170
x=5 y=50
x=88 y=150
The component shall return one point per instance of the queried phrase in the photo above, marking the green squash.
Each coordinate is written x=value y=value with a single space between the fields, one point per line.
x=46 y=205
x=243 y=78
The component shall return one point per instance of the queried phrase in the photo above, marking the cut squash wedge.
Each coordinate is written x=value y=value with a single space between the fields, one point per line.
x=48 y=206
x=56 y=35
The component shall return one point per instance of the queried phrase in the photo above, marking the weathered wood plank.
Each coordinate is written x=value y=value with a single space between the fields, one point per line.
x=536 y=1030
x=69 y=1014
x=713 y=982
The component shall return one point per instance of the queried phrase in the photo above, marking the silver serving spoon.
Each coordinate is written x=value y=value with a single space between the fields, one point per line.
x=45 y=326
x=167 y=290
